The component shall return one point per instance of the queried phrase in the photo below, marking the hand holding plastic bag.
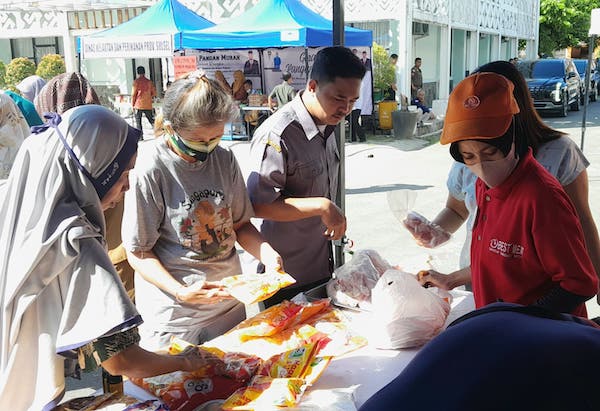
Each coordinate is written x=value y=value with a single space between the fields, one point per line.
x=404 y=313
x=425 y=233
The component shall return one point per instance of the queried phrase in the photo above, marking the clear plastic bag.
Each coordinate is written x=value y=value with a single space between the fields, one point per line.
x=404 y=313
x=352 y=282
x=425 y=233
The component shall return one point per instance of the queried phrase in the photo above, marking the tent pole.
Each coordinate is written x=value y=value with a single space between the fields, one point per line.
x=591 y=44
x=340 y=132
x=306 y=74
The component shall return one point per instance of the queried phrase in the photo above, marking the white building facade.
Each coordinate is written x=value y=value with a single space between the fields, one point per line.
x=452 y=37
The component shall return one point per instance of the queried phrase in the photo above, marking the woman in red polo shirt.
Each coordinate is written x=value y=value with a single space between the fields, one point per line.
x=528 y=245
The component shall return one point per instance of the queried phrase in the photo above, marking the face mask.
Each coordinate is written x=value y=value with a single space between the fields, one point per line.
x=197 y=149
x=495 y=172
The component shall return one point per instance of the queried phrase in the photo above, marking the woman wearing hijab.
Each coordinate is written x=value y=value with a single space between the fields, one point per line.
x=58 y=289
x=60 y=94
x=31 y=86
x=528 y=245
x=220 y=77
x=63 y=92
x=13 y=131
x=27 y=108
x=239 y=91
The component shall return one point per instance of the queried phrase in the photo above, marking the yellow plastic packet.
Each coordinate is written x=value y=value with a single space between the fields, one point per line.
x=252 y=288
x=266 y=393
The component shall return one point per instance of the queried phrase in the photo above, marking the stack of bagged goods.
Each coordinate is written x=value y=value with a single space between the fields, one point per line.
x=270 y=360
x=403 y=313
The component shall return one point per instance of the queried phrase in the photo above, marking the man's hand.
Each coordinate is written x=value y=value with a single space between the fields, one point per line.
x=334 y=220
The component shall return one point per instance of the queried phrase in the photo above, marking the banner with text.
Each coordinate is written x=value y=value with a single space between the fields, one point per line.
x=149 y=46
x=228 y=61
x=184 y=64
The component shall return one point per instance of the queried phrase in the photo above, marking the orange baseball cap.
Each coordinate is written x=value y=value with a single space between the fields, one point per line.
x=480 y=107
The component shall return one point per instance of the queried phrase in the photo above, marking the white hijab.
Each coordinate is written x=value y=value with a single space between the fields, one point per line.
x=31 y=86
x=58 y=288
x=13 y=130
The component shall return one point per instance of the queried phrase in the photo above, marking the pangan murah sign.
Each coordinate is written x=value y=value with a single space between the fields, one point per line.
x=149 y=46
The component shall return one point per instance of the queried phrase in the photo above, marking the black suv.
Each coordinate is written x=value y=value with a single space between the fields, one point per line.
x=554 y=84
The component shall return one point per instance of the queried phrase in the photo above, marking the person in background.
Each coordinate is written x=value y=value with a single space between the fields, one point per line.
x=142 y=96
x=366 y=61
x=13 y=131
x=31 y=86
x=27 y=108
x=426 y=112
x=294 y=176
x=248 y=87
x=356 y=129
x=528 y=246
x=187 y=208
x=553 y=149
x=60 y=94
x=251 y=66
x=239 y=91
x=416 y=78
x=502 y=348
x=220 y=78
x=276 y=62
x=282 y=93
x=59 y=290
x=393 y=88
x=63 y=92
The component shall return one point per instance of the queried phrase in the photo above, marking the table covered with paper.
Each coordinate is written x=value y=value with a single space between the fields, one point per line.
x=316 y=353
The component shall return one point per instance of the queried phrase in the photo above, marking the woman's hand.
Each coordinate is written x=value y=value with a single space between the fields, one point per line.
x=432 y=278
x=202 y=292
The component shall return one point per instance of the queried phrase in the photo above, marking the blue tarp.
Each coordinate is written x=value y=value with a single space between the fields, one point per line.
x=273 y=23
x=165 y=17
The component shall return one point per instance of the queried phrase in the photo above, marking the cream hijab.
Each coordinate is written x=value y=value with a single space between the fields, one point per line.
x=58 y=288
x=13 y=130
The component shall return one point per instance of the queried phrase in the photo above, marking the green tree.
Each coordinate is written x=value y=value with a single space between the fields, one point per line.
x=564 y=23
x=383 y=71
x=18 y=69
x=2 y=75
x=50 y=65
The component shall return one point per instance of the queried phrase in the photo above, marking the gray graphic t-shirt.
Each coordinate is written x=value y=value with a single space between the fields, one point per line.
x=185 y=213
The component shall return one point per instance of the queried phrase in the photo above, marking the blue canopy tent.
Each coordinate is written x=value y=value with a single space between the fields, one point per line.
x=273 y=23
x=157 y=32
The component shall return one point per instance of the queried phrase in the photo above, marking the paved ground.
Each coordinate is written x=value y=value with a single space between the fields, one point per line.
x=419 y=168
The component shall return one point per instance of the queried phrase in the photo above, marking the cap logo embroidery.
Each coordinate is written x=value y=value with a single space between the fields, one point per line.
x=472 y=102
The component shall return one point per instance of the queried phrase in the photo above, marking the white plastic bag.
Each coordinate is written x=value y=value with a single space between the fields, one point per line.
x=425 y=233
x=352 y=282
x=404 y=313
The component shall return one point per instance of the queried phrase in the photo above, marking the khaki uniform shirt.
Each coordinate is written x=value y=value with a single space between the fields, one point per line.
x=291 y=158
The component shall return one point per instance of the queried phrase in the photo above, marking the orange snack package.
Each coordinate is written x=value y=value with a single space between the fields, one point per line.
x=252 y=288
x=186 y=391
x=276 y=318
x=266 y=393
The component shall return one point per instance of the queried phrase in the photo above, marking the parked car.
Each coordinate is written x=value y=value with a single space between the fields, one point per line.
x=581 y=66
x=554 y=84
